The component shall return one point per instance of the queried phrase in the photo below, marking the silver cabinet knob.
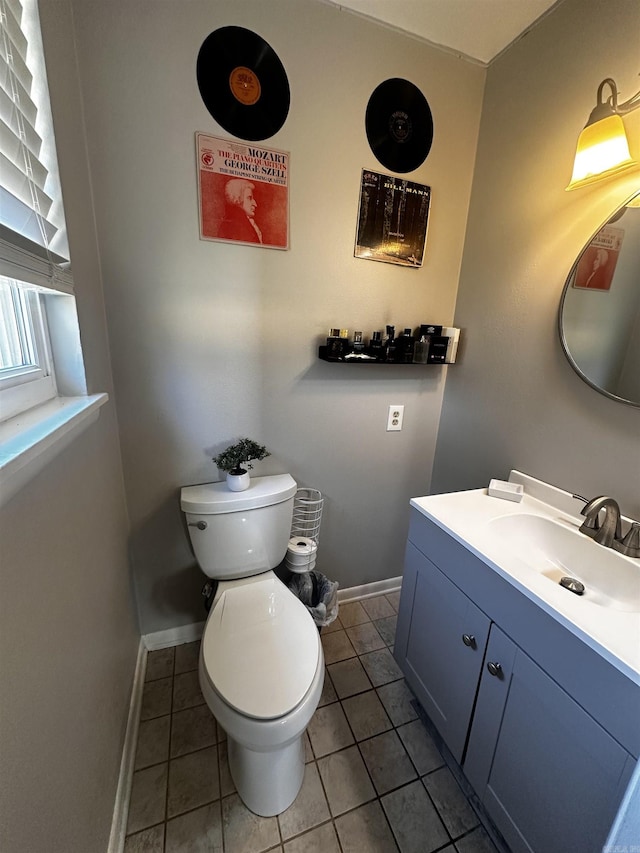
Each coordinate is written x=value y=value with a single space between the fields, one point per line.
x=469 y=640
x=201 y=525
x=495 y=669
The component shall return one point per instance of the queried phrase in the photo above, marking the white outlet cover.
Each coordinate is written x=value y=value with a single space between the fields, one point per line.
x=395 y=417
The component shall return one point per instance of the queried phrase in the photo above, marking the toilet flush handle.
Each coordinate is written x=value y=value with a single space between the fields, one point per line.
x=201 y=525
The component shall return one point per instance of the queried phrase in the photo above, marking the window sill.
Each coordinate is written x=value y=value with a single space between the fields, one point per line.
x=31 y=440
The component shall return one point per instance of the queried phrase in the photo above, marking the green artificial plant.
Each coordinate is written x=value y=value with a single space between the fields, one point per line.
x=237 y=458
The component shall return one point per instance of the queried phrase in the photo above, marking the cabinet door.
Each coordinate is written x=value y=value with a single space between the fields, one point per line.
x=553 y=778
x=442 y=636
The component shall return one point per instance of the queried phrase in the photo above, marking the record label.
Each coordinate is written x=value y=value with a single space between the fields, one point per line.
x=243 y=83
x=399 y=125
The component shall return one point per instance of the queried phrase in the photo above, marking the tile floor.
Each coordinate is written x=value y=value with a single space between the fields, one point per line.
x=374 y=780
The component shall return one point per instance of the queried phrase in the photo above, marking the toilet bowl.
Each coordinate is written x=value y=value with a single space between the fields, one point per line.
x=261 y=665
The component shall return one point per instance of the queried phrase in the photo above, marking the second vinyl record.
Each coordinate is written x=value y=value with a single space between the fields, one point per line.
x=243 y=83
x=399 y=125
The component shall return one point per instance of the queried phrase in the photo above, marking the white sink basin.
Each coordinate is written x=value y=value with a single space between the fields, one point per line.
x=555 y=549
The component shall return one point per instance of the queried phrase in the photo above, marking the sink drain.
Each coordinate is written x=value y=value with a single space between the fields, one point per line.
x=572 y=585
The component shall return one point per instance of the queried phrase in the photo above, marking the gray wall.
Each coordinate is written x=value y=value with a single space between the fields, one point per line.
x=211 y=341
x=514 y=395
x=68 y=635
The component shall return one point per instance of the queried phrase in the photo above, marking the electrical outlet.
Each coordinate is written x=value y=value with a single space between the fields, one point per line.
x=394 y=418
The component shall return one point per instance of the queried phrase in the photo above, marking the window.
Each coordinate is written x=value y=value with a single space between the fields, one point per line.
x=34 y=256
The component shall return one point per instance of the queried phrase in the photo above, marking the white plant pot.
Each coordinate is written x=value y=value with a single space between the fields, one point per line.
x=238 y=482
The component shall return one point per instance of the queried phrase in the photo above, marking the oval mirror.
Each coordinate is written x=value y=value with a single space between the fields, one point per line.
x=599 y=317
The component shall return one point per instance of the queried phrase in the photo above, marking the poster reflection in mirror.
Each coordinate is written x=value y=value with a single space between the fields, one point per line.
x=598 y=262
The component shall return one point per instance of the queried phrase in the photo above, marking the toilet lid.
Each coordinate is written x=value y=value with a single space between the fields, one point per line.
x=260 y=649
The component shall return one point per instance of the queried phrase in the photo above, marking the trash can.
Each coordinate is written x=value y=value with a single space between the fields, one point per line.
x=318 y=594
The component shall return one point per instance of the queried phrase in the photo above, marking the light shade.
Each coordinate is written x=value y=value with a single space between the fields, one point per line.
x=603 y=148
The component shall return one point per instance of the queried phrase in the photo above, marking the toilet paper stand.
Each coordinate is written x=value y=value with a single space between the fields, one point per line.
x=305 y=530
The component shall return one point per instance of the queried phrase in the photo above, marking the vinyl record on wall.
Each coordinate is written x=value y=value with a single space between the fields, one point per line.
x=399 y=125
x=243 y=83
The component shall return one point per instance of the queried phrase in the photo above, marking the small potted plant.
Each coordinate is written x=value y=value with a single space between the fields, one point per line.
x=237 y=460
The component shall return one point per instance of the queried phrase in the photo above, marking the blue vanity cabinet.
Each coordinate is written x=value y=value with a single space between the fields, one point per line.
x=440 y=642
x=544 y=728
x=549 y=776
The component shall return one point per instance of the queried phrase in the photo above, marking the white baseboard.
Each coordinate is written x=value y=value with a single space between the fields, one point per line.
x=173 y=636
x=123 y=791
x=369 y=590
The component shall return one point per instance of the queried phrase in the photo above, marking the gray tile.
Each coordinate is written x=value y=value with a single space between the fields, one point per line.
x=381 y=667
x=345 y=780
x=421 y=747
x=365 y=638
x=387 y=629
x=366 y=715
x=187 y=657
x=349 y=677
x=153 y=742
x=159 y=664
x=414 y=820
x=309 y=809
x=186 y=691
x=336 y=625
x=378 y=607
x=148 y=841
x=387 y=762
x=245 y=832
x=353 y=613
x=227 y=785
x=365 y=829
x=337 y=646
x=328 y=692
x=199 y=831
x=156 y=699
x=192 y=729
x=308 y=752
x=323 y=839
x=453 y=807
x=148 y=795
x=394 y=599
x=193 y=781
x=329 y=730
x=476 y=842
x=397 y=698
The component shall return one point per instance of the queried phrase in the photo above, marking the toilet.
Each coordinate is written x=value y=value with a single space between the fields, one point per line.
x=261 y=665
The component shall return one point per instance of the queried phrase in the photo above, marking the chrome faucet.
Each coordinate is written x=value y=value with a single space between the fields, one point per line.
x=609 y=533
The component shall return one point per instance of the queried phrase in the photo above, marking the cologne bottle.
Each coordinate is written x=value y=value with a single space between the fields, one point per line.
x=334 y=345
x=421 y=348
x=390 y=344
x=375 y=346
x=405 y=347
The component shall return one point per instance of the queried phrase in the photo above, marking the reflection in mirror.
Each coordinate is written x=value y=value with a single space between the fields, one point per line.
x=599 y=317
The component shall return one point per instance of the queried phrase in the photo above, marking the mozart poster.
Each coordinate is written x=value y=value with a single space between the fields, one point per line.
x=598 y=261
x=243 y=192
x=392 y=220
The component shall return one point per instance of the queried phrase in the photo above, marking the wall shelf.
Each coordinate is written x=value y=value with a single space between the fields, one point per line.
x=322 y=355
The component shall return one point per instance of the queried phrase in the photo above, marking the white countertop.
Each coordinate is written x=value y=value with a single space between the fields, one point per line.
x=466 y=516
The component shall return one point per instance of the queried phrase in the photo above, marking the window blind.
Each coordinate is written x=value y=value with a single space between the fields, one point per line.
x=33 y=243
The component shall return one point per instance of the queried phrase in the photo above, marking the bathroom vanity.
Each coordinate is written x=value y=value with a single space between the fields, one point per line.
x=534 y=690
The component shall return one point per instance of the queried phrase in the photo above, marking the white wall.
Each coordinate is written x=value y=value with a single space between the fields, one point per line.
x=211 y=341
x=514 y=395
x=68 y=635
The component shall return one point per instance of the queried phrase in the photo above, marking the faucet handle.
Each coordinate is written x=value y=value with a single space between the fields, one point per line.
x=630 y=545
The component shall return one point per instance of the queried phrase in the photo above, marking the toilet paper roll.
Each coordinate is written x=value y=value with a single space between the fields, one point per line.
x=301 y=569
x=301 y=545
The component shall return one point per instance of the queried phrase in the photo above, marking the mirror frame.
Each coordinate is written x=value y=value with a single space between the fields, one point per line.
x=565 y=290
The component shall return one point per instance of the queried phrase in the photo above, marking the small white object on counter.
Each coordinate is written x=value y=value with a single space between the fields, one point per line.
x=506 y=491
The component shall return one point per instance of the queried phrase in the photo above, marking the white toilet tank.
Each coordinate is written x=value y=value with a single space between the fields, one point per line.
x=238 y=534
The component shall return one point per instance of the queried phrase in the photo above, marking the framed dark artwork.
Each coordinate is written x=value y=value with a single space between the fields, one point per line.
x=393 y=215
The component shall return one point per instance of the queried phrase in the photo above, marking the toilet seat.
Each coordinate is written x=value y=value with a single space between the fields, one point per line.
x=260 y=649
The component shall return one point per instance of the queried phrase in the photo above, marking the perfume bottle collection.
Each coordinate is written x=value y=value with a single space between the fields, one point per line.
x=429 y=345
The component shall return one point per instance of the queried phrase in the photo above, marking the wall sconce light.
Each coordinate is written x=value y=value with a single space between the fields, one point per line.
x=603 y=149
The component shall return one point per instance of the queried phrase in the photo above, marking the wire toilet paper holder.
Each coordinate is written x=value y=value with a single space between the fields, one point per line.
x=305 y=527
